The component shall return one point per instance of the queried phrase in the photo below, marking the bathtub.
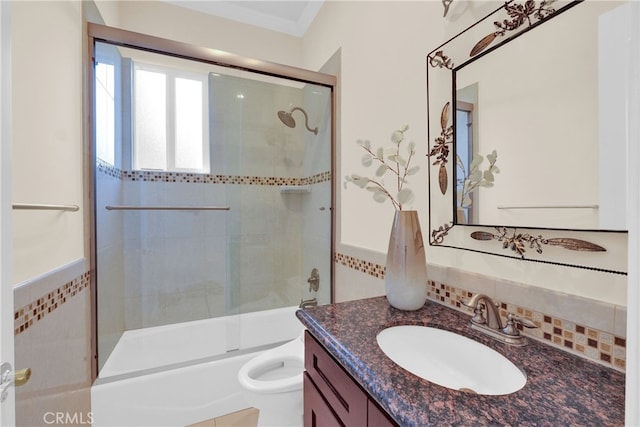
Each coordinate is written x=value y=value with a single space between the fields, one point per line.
x=185 y=373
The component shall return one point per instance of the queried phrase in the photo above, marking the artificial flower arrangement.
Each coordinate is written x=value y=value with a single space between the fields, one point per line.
x=388 y=160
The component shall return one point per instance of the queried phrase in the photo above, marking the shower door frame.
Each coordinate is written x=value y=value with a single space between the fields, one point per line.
x=118 y=37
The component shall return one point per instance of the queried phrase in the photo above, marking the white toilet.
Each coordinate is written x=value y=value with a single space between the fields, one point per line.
x=272 y=383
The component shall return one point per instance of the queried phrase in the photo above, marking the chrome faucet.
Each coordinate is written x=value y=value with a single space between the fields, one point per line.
x=492 y=319
x=306 y=303
x=491 y=322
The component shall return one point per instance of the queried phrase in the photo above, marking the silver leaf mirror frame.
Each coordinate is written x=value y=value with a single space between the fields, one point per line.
x=592 y=249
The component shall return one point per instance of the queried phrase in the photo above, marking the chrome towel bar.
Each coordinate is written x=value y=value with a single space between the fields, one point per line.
x=45 y=207
x=548 y=207
x=165 y=208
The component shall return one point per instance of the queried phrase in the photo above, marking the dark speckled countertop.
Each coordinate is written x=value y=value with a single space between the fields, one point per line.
x=561 y=390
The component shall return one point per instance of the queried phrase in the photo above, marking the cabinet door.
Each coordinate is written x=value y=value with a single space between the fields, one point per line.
x=341 y=392
x=317 y=412
x=377 y=418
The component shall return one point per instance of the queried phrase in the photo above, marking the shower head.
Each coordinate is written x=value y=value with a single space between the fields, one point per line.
x=287 y=119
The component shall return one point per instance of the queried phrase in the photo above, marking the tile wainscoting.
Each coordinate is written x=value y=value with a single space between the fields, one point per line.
x=27 y=315
x=590 y=329
x=52 y=326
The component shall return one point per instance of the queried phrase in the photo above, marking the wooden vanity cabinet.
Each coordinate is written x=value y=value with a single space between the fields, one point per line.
x=332 y=397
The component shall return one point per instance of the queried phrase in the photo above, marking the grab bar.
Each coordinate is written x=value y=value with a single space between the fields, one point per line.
x=45 y=207
x=165 y=208
x=548 y=206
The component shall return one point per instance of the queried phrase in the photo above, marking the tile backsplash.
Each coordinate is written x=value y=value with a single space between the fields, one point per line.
x=606 y=346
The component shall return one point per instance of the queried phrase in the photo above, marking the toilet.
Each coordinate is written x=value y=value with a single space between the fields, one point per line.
x=272 y=383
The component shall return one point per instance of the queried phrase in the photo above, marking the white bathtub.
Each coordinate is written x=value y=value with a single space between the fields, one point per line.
x=150 y=379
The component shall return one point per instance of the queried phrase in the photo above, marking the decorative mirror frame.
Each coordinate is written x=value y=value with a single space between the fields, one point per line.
x=604 y=251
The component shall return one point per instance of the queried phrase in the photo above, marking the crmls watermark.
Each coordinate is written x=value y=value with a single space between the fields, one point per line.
x=71 y=418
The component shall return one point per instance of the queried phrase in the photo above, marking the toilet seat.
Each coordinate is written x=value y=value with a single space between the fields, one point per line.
x=287 y=356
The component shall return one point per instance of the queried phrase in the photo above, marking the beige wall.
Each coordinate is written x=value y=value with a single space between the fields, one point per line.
x=47 y=134
x=383 y=85
x=383 y=48
x=176 y=23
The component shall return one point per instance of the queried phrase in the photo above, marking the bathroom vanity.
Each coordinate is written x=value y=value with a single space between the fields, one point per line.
x=331 y=396
x=350 y=381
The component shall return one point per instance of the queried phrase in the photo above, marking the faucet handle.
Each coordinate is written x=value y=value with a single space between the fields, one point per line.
x=512 y=319
x=478 y=314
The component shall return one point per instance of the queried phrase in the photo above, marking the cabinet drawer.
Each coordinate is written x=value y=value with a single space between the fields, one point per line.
x=341 y=392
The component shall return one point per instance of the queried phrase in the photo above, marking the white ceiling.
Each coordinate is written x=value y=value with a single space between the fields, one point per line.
x=289 y=16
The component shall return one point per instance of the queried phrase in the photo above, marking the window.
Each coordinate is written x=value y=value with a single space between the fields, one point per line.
x=105 y=112
x=170 y=131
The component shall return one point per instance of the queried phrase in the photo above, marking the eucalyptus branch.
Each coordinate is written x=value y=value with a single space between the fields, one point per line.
x=374 y=156
x=404 y=176
x=475 y=177
x=397 y=205
x=397 y=172
x=393 y=162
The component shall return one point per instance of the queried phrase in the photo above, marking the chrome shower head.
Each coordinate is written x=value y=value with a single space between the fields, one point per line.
x=288 y=120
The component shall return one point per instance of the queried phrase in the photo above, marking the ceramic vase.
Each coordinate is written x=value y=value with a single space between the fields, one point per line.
x=406 y=271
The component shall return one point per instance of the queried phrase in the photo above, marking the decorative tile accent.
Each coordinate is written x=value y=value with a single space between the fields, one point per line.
x=108 y=169
x=28 y=315
x=367 y=267
x=598 y=346
x=197 y=178
x=317 y=178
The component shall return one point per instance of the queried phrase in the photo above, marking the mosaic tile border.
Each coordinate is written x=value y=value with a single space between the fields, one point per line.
x=28 y=315
x=195 y=178
x=367 y=267
x=593 y=344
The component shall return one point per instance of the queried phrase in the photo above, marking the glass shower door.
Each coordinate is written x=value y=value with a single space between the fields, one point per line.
x=208 y=205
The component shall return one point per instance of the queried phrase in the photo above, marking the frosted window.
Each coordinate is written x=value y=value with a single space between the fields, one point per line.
x=171 y=130
x=188 y=124
x=150 y=120
x=105 y=113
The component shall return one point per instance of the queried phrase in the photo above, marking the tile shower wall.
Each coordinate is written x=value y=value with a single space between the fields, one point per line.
x=110 y=262
x=590 y=329
x=174 y=261
x=173 y=266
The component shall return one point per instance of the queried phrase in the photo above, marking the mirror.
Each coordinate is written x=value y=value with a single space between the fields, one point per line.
x=527 y=157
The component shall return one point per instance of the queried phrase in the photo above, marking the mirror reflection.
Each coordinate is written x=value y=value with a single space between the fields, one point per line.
x=537 y=139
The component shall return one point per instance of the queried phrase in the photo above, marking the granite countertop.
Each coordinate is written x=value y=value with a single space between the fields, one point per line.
x=561 y=390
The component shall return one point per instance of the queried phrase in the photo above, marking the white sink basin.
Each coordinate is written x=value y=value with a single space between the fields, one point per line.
x=451 y=360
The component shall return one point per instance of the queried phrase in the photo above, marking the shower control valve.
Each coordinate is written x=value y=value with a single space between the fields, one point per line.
x=314 y=280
